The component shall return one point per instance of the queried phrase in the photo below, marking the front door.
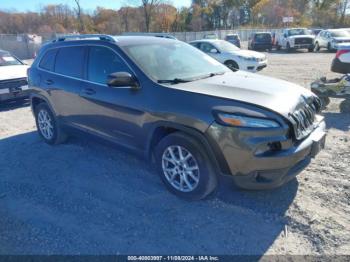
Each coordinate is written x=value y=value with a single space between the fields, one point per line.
x=111 y=112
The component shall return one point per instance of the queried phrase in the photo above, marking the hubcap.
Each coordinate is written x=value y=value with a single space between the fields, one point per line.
x=180 y=168
x=45 y=124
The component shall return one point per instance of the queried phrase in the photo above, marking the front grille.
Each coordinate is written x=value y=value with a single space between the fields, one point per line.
x=303 y=41
x=303 y=118
x=13 y=83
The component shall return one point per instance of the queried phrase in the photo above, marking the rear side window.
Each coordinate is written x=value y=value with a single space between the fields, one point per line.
x=48 y=60
x=103 y=62
x=69 y=61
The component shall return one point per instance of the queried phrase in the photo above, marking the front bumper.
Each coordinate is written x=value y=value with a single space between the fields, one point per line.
x=303 y=46
x=254 y=66
x=253 y=168
x=14 y=93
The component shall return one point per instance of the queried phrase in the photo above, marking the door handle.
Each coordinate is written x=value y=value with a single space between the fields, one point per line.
x=49 y=82
x=89 y=91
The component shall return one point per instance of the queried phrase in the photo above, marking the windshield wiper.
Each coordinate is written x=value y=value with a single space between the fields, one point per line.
x=173 y=81
x=181 y=80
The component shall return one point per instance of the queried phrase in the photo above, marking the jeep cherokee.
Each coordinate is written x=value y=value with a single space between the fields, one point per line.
x=178 y=107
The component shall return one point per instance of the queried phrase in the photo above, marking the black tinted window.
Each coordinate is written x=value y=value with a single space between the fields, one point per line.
x=69 y=61
x=103 y=62
x=48 y=60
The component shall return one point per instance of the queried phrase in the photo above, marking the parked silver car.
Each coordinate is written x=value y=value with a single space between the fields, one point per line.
x=232 y=56
x=331 y=39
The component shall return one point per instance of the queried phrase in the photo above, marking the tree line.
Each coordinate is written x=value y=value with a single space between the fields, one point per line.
x=161 y=16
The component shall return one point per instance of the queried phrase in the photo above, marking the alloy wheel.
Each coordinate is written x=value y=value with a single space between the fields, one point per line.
x=180 y=168
x=45 y=124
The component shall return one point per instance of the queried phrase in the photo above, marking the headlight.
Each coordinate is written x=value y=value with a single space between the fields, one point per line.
x=246 y=121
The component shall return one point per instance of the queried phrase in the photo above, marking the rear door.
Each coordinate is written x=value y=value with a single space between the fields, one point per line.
x=65 y=83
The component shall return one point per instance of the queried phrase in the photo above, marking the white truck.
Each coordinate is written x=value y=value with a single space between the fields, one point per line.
x=295 y=38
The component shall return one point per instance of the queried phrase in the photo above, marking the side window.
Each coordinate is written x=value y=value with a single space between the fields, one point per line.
x=69 y=61
x=195 y=45
x=103 y=62
x=206 y=47
x=48 y=60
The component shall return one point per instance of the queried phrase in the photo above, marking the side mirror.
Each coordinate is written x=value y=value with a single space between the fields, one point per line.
x=213 y=51
x=122 y=79
x=285 y=35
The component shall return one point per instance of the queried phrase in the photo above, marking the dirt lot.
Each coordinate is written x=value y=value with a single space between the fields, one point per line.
x=86 y=198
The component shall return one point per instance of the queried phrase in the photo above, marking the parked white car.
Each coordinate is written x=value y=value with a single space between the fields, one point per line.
x=341 y=62
x=232 y=56
x=295 y=38
x=331 y=39
x=13 y=77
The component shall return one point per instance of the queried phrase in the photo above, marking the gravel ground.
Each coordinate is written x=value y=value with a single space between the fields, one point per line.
x=87 y=198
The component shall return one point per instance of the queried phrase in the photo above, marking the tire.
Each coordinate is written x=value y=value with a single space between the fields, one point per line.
x=232 y=65
x=288 y=48
x=329 y=48
x=171 y=169
x=325 y=102
x=278 y=47
x=317 y=47
x=48 y=126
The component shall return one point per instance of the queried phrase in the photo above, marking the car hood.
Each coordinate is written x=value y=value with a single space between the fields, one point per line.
x=277 y=95
x=248 y=53
x=13 y=72
x=302 y=36
x=341 y=38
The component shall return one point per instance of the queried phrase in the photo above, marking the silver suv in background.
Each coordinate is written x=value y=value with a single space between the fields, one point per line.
x=331 y=39
x=232 y=56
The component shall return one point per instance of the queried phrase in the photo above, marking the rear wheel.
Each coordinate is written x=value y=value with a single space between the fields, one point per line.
x=329 y=47
x=185 y=167
x=47 y=125
x=232 y=65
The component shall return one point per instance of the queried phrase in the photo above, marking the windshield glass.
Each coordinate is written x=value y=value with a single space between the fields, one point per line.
x=340 y=33
x=298 y=31
x=173 y=60
x=225 y=46
x=7 y=60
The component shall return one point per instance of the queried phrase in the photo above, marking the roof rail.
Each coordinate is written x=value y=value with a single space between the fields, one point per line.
x=91 y=36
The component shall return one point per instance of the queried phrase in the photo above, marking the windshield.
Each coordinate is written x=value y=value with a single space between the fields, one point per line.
x=340 y=33
x=298 y=31
x=225 y=46
x=7 y=60
x=173 y=60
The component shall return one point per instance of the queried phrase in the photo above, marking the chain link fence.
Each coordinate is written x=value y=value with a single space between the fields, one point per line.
x=26 y=46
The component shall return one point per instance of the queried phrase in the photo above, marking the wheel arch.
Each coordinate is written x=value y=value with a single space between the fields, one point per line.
x=36 y=99
x=230 y=60
x=163 y=129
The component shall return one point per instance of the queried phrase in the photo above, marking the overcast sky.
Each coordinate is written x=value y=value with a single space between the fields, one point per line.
x=34 y=5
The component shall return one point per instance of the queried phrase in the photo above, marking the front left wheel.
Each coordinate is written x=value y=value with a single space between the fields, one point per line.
x=47 y=125
x=185 y=167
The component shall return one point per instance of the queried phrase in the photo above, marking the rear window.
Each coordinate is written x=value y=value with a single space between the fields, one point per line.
x=231 y=37
x=69 y=61
x=263 y=37
x=6 y=59
x=48 y=60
